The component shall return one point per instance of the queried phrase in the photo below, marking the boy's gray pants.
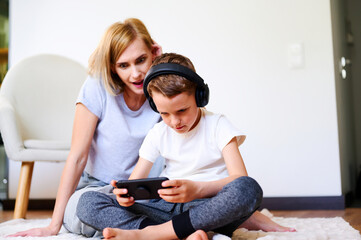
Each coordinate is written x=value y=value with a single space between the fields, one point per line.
x=222 y=213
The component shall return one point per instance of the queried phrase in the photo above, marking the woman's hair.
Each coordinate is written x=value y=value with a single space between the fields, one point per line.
x=170 y=85
x=113 y=43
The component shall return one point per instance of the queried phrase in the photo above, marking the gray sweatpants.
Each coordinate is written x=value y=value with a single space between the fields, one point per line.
x=222 y=213
x=88 y=183
x=70 y=221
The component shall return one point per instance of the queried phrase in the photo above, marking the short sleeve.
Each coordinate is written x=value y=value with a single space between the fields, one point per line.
x=225 y=131
x=92 y=95
x=149 y=149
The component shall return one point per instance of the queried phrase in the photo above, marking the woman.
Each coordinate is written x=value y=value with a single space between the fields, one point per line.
x=112 y=118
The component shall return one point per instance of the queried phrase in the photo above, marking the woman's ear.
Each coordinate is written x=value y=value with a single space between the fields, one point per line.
x=156 y=50
x=112 y=68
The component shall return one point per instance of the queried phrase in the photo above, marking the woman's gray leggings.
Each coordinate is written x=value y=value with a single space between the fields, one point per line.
x=222 y=213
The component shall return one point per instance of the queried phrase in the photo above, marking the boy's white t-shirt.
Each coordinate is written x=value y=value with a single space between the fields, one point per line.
x=195 y=155
x=119 y=132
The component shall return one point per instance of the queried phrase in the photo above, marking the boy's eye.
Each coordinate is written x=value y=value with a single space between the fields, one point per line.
x=182 y=110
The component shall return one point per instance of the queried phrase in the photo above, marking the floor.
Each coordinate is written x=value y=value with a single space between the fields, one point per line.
x=351 y=215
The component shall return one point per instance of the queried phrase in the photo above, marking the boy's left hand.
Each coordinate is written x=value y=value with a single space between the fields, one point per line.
x=181 y=191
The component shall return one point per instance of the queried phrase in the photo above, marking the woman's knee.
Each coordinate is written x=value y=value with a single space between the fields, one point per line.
x=71 y=221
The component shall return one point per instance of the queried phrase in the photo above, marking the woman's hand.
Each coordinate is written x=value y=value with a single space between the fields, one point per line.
x=123 y=201
x=181 y=191
x=35 y=232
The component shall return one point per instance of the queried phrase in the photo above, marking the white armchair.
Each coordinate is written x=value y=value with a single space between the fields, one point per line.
x=37 y=104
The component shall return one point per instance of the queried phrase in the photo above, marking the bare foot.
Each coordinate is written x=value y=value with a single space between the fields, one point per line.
x=258 y=221
x=115 y=233
x=198 y=235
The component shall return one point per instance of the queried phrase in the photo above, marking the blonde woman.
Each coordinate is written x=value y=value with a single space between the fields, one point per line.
x=112 y=118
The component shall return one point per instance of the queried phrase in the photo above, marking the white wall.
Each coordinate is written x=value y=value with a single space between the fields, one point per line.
x=241 y=50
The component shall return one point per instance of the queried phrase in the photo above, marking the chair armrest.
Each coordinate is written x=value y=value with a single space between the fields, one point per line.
x=9 y=129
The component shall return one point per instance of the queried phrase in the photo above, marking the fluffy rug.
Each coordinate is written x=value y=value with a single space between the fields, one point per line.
x=307 y=229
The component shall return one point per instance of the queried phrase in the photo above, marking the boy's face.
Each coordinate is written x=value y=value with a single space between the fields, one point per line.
x=179 y=112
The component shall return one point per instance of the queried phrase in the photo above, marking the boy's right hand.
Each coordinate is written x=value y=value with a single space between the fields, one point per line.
x=123 y=201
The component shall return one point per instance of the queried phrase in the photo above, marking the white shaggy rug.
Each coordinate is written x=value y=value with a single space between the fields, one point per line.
x=307 y=229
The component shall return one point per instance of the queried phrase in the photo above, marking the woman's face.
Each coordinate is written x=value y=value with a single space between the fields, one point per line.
x=133 y=64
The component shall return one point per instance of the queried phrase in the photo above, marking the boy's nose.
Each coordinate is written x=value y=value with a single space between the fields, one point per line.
x=175 y=121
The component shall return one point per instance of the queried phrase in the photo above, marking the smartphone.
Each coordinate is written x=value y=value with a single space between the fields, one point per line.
x=144 y=188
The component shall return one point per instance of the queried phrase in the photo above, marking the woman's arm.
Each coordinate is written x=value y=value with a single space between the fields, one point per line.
x=83 y=130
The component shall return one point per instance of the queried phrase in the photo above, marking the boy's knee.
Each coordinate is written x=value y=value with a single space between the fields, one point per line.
x=252 y=185
x=248 y=188
x=87 y=204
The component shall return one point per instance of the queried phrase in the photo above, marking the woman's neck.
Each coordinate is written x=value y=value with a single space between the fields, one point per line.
x=133 y=101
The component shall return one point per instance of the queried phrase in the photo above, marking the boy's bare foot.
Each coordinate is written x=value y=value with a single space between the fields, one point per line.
x=258 y=221
x=115 y=233
x=198 y=235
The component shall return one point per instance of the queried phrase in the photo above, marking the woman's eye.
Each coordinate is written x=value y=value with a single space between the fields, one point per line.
x=122 y=65
x=141 y=60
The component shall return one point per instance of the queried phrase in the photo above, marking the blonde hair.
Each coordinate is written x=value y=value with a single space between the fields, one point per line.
x=113 y=43
x=170 y=85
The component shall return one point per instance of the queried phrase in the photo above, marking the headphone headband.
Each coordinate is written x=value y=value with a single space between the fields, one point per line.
x=202 y=91
x=171 y=68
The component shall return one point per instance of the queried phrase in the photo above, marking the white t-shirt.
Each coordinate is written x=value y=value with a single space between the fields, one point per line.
x=195 y=155
x=119 y=132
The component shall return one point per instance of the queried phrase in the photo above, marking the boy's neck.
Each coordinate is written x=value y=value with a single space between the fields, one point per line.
x=197 y=120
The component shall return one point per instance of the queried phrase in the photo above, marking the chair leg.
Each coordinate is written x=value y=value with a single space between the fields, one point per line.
x=22 y=196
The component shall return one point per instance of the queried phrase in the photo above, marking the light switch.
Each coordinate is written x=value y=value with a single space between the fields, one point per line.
x=296 y=56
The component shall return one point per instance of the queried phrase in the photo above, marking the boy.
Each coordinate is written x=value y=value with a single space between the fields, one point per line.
x=209 y=190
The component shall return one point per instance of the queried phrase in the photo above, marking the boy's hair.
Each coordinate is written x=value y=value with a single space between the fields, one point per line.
x=113 y=43
x=171 y=84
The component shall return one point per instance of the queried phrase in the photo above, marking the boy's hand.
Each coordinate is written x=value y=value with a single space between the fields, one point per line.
x=182 y=191
x=123 y=201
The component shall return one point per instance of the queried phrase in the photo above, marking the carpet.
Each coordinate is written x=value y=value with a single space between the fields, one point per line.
x=307 y=229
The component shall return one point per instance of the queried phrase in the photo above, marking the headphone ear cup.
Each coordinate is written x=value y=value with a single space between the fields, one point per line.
x=152 y=104
x=202 y=96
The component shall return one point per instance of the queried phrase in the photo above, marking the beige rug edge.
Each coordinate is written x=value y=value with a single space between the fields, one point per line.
x=307 y=228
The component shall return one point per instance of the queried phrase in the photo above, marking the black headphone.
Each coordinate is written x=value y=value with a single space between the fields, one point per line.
x=202 y=90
